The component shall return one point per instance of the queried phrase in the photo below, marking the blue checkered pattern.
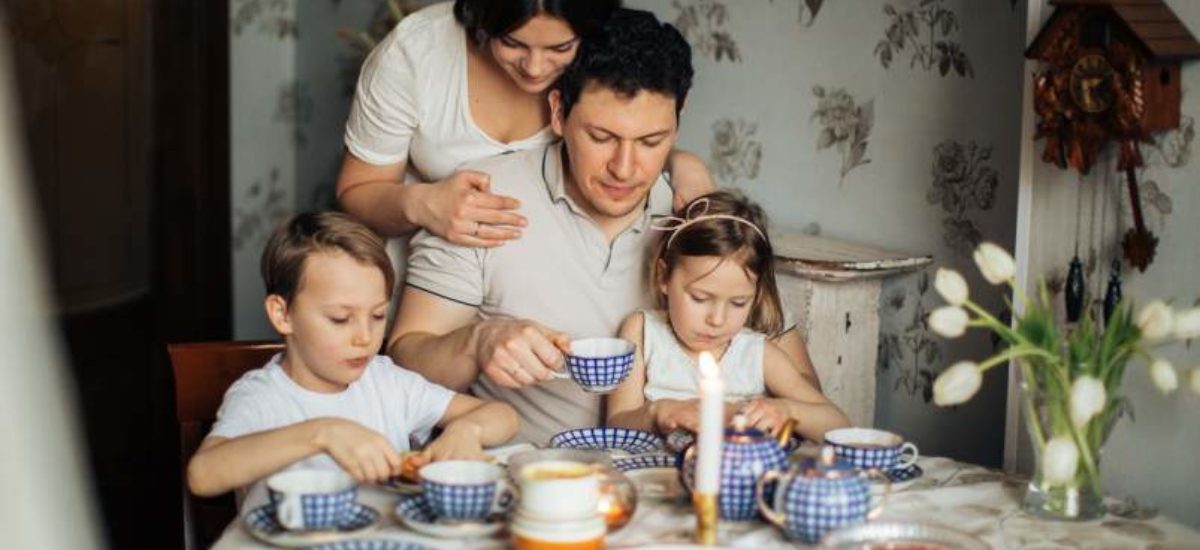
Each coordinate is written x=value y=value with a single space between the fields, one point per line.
x=370 y=544
x=599 y=374
x=898 y=475
x=880 y=458
x=322 y=510
x=742 y=464
x=631 y=441
x=815 y=506
x=641 y=462
x=262 y=519
x=460 y=501
x=416 y=507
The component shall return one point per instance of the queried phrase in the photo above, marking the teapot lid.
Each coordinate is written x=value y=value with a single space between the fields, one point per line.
x=826 y=466
x=738 y=432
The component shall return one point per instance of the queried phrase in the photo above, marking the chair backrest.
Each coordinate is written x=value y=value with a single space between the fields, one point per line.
x=203 y=371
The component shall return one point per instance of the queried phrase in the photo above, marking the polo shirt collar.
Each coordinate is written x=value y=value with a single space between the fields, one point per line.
x=555 y=181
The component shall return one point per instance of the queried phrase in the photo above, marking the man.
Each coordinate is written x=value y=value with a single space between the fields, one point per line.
x=580 y=265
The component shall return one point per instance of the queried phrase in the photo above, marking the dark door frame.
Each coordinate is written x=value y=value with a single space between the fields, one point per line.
x=190 y=168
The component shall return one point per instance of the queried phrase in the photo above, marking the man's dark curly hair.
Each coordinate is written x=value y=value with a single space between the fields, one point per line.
x=487 y=19
x=632 y=53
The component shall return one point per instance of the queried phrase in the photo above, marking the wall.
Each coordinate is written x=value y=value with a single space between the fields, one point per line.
x=263 y=162
x=795 y=104
x=1144 y=456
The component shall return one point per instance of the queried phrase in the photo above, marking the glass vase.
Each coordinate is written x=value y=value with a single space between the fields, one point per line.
x=1048 y=416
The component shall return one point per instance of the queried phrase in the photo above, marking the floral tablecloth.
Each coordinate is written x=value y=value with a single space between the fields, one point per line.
x=983 y=502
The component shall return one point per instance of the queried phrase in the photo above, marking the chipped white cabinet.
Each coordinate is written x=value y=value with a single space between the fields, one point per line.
x=832 y=288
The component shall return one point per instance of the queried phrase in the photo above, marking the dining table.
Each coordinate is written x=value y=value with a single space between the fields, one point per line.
x=979 y=501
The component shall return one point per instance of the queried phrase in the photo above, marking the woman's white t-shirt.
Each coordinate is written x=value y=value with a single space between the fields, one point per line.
x=412 y=103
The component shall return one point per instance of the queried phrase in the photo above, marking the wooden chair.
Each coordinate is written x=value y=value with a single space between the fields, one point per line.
x=203 y=371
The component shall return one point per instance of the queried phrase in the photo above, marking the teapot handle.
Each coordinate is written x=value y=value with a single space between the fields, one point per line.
x=784 y=435
x=772 y=515
x=887 y=490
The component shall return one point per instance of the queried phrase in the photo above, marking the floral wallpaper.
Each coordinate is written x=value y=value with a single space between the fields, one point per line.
x=924 y=32
x=702 y=23
x=735 y=152
x=962 y=181
x=845 y=125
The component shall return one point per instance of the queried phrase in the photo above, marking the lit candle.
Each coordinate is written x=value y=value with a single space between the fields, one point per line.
x=712 y=427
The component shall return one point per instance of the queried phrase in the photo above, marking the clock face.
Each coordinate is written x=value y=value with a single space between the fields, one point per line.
x=1091 y=83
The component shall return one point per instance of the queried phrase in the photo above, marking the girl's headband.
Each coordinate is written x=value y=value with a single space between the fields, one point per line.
x=697 y=212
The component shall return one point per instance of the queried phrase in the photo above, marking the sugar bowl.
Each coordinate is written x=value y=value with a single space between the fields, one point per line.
x=817 y=496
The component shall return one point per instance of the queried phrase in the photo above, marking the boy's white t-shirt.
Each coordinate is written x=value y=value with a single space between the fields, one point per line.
x=411 y=103
x=388 y=399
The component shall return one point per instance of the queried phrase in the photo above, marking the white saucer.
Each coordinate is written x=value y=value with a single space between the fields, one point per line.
x=262 y=525
x=414 y=512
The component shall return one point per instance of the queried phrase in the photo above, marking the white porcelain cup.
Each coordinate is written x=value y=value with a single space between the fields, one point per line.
x=868 y=448
x=559 y=490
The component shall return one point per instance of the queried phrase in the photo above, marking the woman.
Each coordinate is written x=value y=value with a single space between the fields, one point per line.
x=449 y=86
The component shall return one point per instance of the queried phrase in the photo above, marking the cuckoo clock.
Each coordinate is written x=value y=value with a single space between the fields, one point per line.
x=1110 y=73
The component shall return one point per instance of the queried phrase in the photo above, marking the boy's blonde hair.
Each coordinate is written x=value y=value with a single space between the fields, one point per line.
x=730 y=227
x=311 y=232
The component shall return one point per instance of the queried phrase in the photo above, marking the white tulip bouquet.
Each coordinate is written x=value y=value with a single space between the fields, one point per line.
x=1071 y=376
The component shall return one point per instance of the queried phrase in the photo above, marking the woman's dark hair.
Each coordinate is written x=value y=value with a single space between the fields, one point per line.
x=732 y=240
x=633 y=52
x=487 y=19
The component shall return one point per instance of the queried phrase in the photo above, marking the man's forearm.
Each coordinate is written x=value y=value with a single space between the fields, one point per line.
x=448 y=360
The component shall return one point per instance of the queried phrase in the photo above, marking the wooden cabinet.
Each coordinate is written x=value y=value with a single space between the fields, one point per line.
x=832 y=288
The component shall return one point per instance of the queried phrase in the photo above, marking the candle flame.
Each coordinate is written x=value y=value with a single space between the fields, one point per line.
x=708 y=366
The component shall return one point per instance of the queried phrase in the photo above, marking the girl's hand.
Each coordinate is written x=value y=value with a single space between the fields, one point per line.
x=672 y=414
x=463 y=210
x=764 y=414
x=459 y=441
x=364 y=454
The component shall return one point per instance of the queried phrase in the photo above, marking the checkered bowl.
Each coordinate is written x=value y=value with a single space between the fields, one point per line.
x=608 y=439
x=600 y=364
x=641 y=462
x=370 y=544
x=312 y=500
x=465 y=490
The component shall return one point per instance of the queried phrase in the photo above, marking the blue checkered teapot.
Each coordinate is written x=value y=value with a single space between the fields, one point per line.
x=817 y=496
x=746 y=455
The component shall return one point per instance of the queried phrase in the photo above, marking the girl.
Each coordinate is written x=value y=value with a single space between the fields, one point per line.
x=715 y=281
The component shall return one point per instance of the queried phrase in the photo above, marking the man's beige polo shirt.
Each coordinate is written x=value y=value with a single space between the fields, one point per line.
x=562 y=273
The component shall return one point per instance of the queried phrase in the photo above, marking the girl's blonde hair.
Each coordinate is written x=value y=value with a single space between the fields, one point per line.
x=728 y=225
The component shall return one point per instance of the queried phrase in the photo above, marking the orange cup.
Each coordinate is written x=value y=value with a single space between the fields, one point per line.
x=531 y=534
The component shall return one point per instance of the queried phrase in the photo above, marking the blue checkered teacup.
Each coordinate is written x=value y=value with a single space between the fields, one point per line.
x=466 y=490
x=868 y=449
x=599 y=365
x=312 y=500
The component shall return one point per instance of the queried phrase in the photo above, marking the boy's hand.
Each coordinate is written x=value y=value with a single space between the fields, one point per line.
x=674 y=414
x=364 y=454
x=459 y=441
x=764 y=414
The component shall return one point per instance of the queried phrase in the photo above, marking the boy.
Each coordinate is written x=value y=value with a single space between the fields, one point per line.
x=330 y=400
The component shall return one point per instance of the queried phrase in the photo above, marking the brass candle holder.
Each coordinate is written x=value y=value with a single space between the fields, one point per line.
x=705 y=506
